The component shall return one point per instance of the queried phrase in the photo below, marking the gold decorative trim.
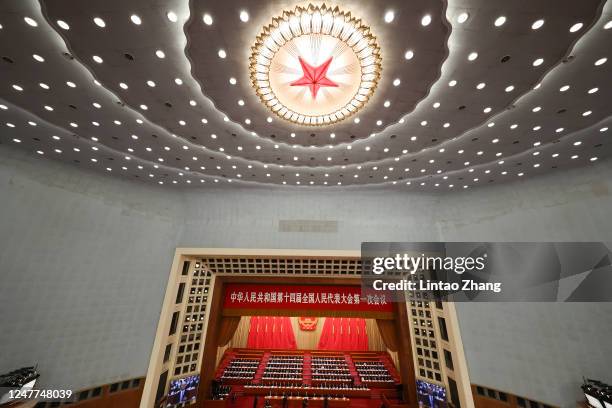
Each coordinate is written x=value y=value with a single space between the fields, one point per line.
x=315 y=20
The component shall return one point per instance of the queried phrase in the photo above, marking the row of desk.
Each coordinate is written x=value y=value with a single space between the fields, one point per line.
x=315 y=402
x=350 y=393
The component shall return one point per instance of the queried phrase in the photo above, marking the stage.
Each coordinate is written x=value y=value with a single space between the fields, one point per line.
x=284 y=378
x=290 y=343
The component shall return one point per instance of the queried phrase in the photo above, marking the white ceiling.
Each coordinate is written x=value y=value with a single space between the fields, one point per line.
x=196 y=133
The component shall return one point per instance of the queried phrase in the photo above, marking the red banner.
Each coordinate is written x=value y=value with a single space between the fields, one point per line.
x=294 y=297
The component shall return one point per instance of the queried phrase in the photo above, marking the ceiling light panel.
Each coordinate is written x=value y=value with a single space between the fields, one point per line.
x=163 y=121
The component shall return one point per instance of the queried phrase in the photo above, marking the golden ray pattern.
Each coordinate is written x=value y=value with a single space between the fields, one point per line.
x=320 y=21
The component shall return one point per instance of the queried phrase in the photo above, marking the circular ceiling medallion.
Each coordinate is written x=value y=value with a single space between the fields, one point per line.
x=315 y=65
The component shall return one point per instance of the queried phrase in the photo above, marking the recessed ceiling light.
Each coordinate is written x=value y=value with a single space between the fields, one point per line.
x=472 y=56
x=99 y=22
x=207 y=18
x=593 y=159
x=509 y=88
x=192 y=103
x=178 y=81
x=538 y=62
x=564 y=88
x=452 y=83
x=481 y=85
x=160 y=54
x=389 y=16
x=574 y=157
x=587 y=113
x=387 y=104
x=379 y=122
x=151 y=83
x=499 y=21
x=97 y=59
x=600 y=61
x=537 y=24
x=123 y=85
x=17 y=87
x=396 y=82
x=593 y=90
x=38 y=58
x=97 y=105
x=143 y=107
x=487 y=109
x=171 y=15
x=232 y=81
x=240 y=102
x=409 y=54
x=426 y=20
x=135 y=19
x=575 y=27
x=221 y=53
x=356 y=120
x=436 y=105
x=43 y=85
x=71 y=84
x=30 y=21
x=244 y=16
x=462 y=18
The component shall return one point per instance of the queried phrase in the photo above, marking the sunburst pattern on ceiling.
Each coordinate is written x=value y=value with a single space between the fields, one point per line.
x=162 y=93
x=318 y=49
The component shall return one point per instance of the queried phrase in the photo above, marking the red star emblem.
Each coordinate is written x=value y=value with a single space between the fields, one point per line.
x=314 y=77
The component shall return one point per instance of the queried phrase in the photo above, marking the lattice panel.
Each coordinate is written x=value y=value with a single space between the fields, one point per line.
x=286 y=266
x=191 y=330
x=424 y=336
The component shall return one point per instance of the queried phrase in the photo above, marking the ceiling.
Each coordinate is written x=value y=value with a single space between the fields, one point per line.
x=489 y=91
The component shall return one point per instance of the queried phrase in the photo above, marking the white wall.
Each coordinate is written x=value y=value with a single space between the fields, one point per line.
x=84 y=260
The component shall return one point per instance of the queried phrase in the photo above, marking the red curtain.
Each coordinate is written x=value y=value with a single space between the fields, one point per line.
x=343 y=334
x=288 y=335
x=363 y=337
x=270 y=332
x=326 y=334
x=251 y=339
